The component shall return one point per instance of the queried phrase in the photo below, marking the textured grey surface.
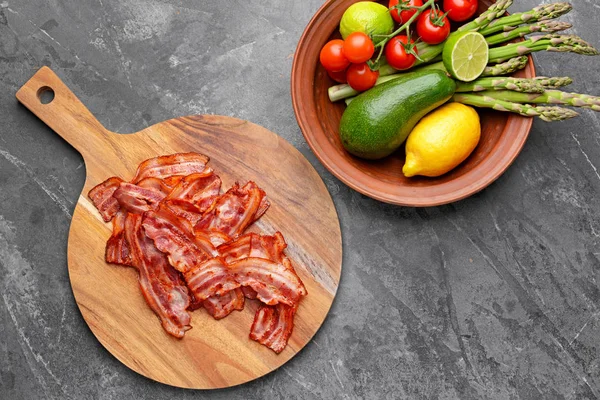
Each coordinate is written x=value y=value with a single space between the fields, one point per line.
x=492 y=297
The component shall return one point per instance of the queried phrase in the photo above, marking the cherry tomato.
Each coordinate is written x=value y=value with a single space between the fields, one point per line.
x=361 y=77
x=332 y=56
x=396 y=54
x=358 y=47
x=338 y=76
x=433 y=28
x=403 y=16
x=460 y=10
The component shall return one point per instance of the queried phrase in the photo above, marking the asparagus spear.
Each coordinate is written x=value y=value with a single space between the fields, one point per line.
x=542 y=26
x=554 y=82
x=500 y=83
x=513 y=55
x=527 y=110
x=552 y=42
x=505 y=68
x=543 y=12
x=533 y=85
x=494 y=11
x=342 y=91
x=548 y=97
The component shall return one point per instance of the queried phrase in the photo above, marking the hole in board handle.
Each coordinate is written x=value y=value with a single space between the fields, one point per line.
x=45 y=94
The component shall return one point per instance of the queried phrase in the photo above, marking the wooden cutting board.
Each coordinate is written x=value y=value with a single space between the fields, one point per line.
x=213 y=354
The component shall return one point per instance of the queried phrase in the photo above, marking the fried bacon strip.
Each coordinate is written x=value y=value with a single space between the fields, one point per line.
x=210 y=278
x=162 y=286
x=158 y=185
x=216 y=238
x=186 y=240
x=171 y=165
x=183 y=209
x=199 y=189
x=249 y=293
x=172 y=181
x=254 y=261
x=221 y=306
x=234 y=211
x=254 y=245
x=138 y=199
x=273 y=282
x=117 y=247
x=102 y=197
x=174 y=236
x=273 y=326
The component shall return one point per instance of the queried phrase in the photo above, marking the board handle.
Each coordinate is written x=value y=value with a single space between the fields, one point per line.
x=50 y=100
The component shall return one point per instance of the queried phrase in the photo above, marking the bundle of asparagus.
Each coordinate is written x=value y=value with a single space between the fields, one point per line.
x=493 y=89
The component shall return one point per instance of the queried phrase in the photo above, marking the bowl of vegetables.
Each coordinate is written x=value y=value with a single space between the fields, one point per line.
x=503 y=134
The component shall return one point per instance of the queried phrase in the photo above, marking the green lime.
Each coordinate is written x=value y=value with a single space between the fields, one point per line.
x=367 y=17
x=465 y=55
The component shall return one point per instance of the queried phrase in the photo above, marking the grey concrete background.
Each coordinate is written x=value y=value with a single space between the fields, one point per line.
x=492 y=297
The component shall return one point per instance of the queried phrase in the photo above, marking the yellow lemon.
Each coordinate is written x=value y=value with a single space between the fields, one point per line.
x=442 y=140
x=367 y=17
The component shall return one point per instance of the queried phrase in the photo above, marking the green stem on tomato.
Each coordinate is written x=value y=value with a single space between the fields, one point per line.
x=404 y=27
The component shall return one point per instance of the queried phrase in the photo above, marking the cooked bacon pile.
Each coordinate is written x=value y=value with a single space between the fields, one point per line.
x=186 y=239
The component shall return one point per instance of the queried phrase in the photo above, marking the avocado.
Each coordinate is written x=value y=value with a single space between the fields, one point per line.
x=379 y=120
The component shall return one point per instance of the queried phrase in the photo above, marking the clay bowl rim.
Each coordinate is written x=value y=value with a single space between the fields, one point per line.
x=304 y=66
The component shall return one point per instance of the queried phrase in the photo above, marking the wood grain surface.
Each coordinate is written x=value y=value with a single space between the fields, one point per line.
x=214 y=354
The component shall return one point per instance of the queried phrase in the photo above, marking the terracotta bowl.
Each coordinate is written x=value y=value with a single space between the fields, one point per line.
x=503 y=134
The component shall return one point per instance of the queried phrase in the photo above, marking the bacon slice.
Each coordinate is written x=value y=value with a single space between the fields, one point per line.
x=117 y=247
x=254 y=245
x=273 y=282
x=102 y=197
x=210 y=278
x=138 y=199
x=221 y=306
x=200 y=189
x=171 y=165
x=174 y=236
x=264 y=322
x=216 y=238
x=194 y=304
x=237 y=249
x=235 y=210
x=249 y=293
x=185 y=240
x=273 y=326
x=184 y=209
x=162 y=286
x=156 y=184
x=172 y=181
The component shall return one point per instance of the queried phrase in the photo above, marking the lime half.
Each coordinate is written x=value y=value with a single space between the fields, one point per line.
x=367 y=17
x=465 y=55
